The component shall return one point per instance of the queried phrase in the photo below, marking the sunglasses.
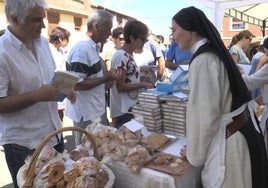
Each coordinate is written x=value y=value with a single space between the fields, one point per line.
x=250 y=38
x=143 y=39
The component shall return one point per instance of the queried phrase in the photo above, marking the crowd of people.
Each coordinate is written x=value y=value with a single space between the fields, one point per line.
x=224 y=135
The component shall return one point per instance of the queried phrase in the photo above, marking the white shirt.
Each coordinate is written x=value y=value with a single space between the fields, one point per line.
x=89 y=104
x=144 y=58
x=208 y=113
x=60 y=62
x=120 y=102
x=21 y=72
x=258 y=79
x=59 y=58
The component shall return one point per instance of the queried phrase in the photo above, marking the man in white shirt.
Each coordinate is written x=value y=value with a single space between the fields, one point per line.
x=28 y=112
x=85 y=61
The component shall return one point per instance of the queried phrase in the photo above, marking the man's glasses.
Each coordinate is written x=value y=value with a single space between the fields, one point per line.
x=143 y=39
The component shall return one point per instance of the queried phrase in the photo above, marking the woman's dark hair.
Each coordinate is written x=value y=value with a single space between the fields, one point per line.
x=253 y=48
x=265 y=43
x=117 y=32
x=57 y=34
x=135 y=28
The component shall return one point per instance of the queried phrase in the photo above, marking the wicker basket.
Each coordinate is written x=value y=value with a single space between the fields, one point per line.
x=30 y=173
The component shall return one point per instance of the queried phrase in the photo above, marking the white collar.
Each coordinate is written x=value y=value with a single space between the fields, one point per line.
x=198 y=44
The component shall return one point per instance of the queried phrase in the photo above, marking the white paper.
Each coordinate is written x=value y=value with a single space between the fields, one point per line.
x=175 y=147
x=184 y=67
x=134 y=125
x=176 y=74
x=180 y=95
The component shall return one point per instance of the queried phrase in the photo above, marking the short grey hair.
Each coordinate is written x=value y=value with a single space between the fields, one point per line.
x=99 y=16
x=21 y=8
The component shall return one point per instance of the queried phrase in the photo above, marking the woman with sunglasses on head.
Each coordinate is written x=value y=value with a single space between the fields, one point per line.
x=239 y=45
x=123 y=95
x=222 y=132
x=118 y=39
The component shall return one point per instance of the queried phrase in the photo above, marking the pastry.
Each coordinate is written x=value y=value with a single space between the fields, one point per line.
x=77 y=154
x=71 y=174
x=157 y=140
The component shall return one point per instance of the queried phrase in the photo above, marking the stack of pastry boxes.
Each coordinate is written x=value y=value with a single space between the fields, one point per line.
x=148 y=111
x=173 y=115
x=160 y=112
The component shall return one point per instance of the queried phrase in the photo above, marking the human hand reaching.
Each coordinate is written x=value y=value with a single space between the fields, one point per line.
x=183 y=152
x=72 y=96
x=114 y=74
x=147 y=85
x=47 y=93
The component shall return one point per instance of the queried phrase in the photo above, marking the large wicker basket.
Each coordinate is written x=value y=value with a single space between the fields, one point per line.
x=30 y=172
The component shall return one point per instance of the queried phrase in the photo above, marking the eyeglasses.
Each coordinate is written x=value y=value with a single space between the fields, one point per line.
x=173 y=30
x=143 y=39
x=250 y=38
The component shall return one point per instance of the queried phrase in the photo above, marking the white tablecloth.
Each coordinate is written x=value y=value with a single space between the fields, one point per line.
x=149 y=178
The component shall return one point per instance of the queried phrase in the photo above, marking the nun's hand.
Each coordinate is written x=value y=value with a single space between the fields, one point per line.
x=183 y=152
x=241 y=70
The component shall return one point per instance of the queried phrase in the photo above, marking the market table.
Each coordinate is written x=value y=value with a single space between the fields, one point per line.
x=149 y=178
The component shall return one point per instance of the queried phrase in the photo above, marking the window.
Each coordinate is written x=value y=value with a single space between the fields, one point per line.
x=237 y=24
x=79 y=1
x=53 y=18
x=77 y=23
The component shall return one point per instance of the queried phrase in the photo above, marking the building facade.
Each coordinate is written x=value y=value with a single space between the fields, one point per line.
x=232 y=26
x=69 y=14
x=72 y=15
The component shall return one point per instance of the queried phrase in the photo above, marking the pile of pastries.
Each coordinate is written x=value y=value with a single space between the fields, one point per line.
x=75 y=169
x=78 y=169
x=121 y=145
x=168 y=159
x=124 y=145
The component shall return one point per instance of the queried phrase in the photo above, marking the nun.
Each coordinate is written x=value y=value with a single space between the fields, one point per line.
x=222 y=132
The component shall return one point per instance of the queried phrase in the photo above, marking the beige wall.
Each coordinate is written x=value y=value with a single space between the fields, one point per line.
x=2 y=16
x=66 y=21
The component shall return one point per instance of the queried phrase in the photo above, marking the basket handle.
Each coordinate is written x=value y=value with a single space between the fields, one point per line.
x=30 y=173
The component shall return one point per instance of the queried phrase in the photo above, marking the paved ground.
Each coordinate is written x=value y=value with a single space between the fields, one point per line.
x=5 y=178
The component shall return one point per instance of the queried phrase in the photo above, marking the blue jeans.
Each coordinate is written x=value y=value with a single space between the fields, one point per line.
x=15 y=157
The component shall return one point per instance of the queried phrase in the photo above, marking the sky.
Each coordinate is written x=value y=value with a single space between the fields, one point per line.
x=157 y=14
